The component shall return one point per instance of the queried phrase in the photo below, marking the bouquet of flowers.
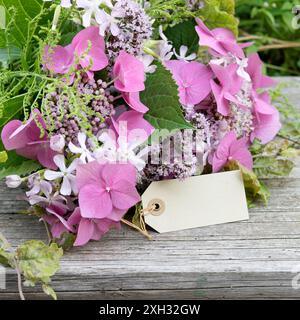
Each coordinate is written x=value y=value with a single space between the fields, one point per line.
x=101 y=97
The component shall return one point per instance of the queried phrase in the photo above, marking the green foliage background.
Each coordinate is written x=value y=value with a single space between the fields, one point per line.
x=269 y=25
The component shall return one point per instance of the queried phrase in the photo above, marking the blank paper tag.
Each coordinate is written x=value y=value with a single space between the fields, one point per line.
x=196 y=202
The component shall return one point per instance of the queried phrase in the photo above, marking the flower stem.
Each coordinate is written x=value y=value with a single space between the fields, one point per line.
x=145 y=233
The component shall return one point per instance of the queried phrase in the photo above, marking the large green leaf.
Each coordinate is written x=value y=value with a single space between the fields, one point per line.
x=8 y=55
x=161 y=97
x=37 y=261
x=19 y=15
x=10 y=109
x=184 y=34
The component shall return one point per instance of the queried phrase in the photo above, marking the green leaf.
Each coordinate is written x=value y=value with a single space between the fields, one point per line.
x=19 y=15
x=6 y=256
x=49 y=291
x=220 y=14
x=18 y=165
x=3 y=157
x=254 y=188
x=9 y=55
x=37 y=261
x=273 y=159
x=161 y=97
x=184 y=34
x=10 y=109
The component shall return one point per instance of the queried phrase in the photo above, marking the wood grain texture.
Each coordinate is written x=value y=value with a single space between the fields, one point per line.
x=256 y=259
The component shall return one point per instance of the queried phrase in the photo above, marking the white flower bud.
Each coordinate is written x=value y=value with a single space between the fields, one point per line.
x=13 y=181
x=57 y=143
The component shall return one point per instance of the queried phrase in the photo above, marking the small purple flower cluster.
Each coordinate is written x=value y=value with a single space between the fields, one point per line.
x=62 y=120
x=135 y=28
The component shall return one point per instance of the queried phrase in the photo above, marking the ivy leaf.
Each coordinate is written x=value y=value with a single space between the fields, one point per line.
x=161 y=97
x=184 y=34
x=37 y=261
x=9 y=55
x=18 y=165
x=254 y=188
x=275 y=159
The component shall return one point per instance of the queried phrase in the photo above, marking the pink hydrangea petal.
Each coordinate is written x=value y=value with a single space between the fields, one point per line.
x=16 y=142
x=266 y=128
x=94 y=202
x=117 y=215
x=218 y=164
x=254 y=69
x=75 y=217
x=85 y=232
x=96 y=53
x=223 y=151
x=133 y=100
x=135 y=121
x=58 y=60
x=45 y=156
x=124 y=195
x=222 y=104
x=112 y=173
x=89 y=173
x=129 y=73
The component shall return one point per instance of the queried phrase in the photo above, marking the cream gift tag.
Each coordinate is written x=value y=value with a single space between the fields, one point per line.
x=173 y=205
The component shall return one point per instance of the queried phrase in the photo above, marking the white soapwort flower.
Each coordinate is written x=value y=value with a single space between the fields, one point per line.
x=147 y=60
x=183 y=54
x=57 y=143
x=120 y=151
x=13 y=181
x=165 y=48
x=69 y=183
x=108 y=22
x=92 y=9
x=85 y=154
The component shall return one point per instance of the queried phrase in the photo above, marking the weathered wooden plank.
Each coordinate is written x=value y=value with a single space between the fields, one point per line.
x=257 y=259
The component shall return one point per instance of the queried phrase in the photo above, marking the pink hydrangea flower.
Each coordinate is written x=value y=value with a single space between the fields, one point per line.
x=88 y=45
x=58 y=60
x=131 y=125
x=193 y=80
x=229 y=85
x=129 y=73
x=266 y=119
x=58 y=224
x=231 y=148
x=90 y=229
x=28 y=140
x=89 y=40
x=254 y=69
x=221 y=41
x=106 y=191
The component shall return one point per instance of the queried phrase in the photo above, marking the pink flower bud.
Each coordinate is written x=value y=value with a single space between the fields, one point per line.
x=57 y=143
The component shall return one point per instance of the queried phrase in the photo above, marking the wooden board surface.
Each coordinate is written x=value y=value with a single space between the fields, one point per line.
x=257 y=259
